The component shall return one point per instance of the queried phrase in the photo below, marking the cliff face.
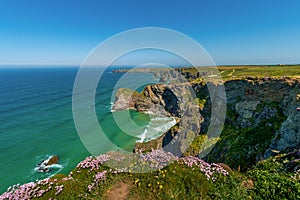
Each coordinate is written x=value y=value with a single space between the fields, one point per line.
x=126 y=99
x=257 y=100
x=251 y=104
x=156 y=99
x=174 y=100
x=262 y=120
x=289 y=132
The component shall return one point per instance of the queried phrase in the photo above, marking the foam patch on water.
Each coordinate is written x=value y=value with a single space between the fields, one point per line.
x=48 y=167
x=110 y=106
x=157 y=127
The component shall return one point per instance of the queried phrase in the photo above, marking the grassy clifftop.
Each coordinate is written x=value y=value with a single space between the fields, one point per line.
x=228 y=72
x=174 y=178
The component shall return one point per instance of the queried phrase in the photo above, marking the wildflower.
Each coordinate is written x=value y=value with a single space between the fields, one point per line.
x=59 y=189
x=18 y=191
x=93 y=163
x=100 y=176
x=91 y=186
x=208 y=169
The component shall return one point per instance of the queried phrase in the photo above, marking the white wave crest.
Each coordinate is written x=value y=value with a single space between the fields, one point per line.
x=157 y=127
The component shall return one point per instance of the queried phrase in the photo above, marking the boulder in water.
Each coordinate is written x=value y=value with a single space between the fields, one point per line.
x=52 y=160
x=44 y=166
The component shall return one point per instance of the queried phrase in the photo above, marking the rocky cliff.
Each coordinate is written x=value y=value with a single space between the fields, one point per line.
x=262 y=120
x=258 y=100
x=174 y=100
x=253 y=105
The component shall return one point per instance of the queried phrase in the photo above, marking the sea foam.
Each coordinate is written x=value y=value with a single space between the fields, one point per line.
x=156 y=127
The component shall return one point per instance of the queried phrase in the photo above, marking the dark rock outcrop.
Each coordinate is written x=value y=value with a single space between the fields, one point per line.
x=53 y=160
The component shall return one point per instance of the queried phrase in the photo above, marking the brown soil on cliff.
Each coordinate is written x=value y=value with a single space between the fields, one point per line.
x=118 y=191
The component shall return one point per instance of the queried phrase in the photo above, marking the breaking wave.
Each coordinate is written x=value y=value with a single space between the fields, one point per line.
x=156 y=128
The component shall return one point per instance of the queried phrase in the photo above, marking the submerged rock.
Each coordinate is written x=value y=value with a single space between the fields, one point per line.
x=44 y=166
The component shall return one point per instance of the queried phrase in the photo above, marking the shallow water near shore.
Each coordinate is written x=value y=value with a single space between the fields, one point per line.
x=37 y=122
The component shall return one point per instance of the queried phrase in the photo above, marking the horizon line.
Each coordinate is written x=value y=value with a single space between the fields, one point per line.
x=55 y=65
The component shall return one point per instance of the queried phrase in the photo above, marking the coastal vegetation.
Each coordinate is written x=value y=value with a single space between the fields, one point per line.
x=229 y=72
x=257 y=155
x=183 y=178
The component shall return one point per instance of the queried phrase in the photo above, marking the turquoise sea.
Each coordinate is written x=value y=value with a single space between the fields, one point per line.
x=36 y=121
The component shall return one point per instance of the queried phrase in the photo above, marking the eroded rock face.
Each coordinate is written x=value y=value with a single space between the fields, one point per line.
x=127 y=99
x=174 y=100
x=256 y=100
x=251 y=112
x=162 y=100
x=289 y=132
x=156 y=99
x=245 y=110
x=253 y=100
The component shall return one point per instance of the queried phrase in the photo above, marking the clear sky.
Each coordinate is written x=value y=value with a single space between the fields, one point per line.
x=232 y=31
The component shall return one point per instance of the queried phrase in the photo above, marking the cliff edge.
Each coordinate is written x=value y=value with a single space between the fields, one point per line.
x=265 y=108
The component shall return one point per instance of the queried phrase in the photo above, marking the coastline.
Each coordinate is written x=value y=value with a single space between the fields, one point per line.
x=251 y=90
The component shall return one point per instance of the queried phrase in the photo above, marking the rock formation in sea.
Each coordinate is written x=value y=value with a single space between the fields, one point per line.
x=45 y=165
x=53 y=160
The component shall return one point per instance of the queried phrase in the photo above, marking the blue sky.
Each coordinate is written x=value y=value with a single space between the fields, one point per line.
x=232 y=31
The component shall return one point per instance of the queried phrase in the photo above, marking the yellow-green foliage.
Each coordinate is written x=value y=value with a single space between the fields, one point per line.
x=200 y=102
x=128 y=92
x=273 y=179
x=200 y=144
x=237 y=72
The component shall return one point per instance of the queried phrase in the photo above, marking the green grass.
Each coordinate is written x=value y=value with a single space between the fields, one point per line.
x=274 y=180
x=236 y=72
x=177 y=181
x=240 y=72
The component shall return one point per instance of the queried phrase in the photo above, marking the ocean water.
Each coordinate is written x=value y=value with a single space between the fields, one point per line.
x=36 y=121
